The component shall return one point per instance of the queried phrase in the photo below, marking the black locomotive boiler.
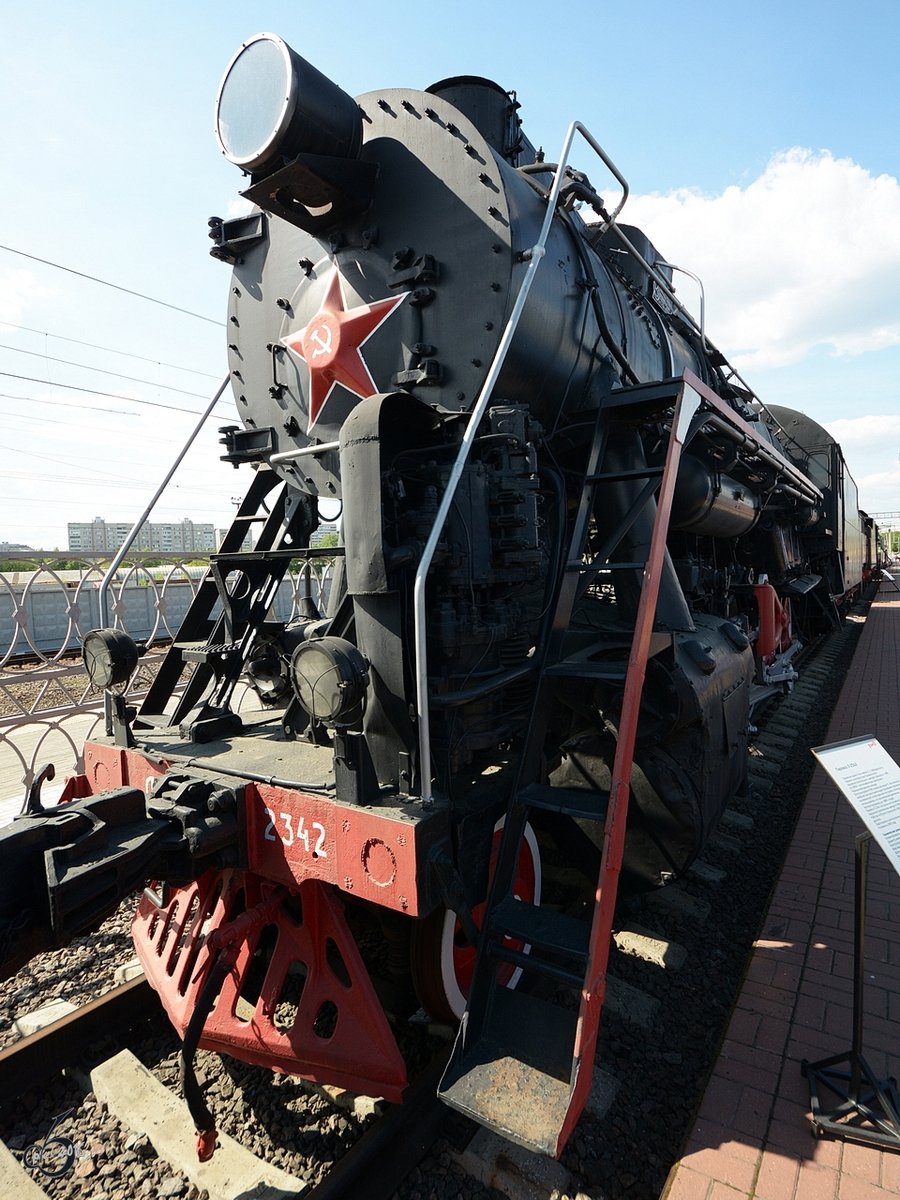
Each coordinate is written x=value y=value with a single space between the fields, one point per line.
x=575 y=551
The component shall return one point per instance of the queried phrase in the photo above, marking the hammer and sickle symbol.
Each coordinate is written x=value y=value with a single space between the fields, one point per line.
x=322 y=336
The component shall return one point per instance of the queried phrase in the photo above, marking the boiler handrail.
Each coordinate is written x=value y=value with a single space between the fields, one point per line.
x=533 y=258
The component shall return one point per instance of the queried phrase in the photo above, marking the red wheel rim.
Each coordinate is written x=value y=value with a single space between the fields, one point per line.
x=457 y=957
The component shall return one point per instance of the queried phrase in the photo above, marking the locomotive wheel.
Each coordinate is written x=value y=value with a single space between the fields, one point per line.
x=441 y=960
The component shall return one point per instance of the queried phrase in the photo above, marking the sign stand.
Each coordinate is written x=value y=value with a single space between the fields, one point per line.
x=864 y=1097
x=869 y=1108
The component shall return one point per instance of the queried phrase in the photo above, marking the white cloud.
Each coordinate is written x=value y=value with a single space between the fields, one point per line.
x=867 y=432
x=805 y=256
x=879 y=492
x=871 y=446
x=19 y=289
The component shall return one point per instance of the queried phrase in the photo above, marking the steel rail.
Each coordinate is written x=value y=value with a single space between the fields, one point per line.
x=378 y=1163
x=46 y=1052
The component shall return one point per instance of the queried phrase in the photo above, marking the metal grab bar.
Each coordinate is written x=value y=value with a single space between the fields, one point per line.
x=290 y=455
x=533 y=257
x=136 y=527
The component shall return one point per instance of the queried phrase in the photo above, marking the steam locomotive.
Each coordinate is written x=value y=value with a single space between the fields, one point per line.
x=576 y=550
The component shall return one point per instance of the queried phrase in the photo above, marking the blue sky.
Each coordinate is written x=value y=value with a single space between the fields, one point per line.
x=760 y=142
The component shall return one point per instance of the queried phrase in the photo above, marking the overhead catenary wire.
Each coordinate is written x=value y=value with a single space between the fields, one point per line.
x=69 y=462
x=59 y=337
x=125 y=508
x=112 y=483
x=135 y=402
x=57 y=400
x=113 y=395
x=30 y=417
x=67 y=362
x=116 y=286
x=105 y=481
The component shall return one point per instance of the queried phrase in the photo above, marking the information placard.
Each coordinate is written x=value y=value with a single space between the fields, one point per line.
x=870 y=780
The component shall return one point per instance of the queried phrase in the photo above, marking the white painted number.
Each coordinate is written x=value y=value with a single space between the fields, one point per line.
x=287 y=838
x=288 y=835
x=302 y=835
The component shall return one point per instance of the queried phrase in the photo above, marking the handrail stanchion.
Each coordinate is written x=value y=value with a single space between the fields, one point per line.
x=135 y=529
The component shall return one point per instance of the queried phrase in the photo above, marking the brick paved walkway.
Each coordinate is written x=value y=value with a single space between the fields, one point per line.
x=752 y=1136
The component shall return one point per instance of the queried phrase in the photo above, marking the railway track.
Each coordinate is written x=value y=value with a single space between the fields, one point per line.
x=678 y=963
x=68 y=1150
x=156 y=1128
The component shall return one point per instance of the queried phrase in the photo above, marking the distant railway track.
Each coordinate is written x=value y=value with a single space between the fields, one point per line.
x=31 y=686
x=27 y=659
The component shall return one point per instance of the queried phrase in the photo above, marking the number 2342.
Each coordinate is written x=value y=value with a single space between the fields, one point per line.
x=283 y=829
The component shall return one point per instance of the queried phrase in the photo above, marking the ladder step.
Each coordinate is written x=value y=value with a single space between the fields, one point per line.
x=201 y=652
x=538 y=966
x=584 y=668
x=515 y=1078
x=541 y=928
x=574 y=802
x=576 y=564
x=624 y=476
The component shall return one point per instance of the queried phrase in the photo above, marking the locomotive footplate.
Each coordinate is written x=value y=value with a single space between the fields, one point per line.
x=289 y=834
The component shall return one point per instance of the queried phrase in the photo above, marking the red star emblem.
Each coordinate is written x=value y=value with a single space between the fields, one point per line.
x=331 y=345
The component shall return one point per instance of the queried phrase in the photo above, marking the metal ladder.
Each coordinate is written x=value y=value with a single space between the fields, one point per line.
x=215 y=643
x=522 y=1064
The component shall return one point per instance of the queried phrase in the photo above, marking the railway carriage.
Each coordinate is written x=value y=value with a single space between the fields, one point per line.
x=840 y=543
